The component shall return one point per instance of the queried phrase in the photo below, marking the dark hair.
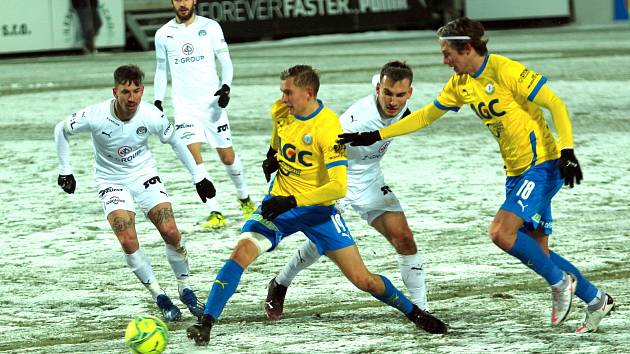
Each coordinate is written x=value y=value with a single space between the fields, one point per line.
x=464 y=26
x=127 y=74
x=397 y=71
x=303 y=76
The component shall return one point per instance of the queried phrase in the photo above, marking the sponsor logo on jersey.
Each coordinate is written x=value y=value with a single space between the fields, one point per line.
x=109 y=135
x=222 y=128
x=291 y=154
x=114 y=200
x=487 y=110
x=184 y=125
x=202 y=33
x=287 y=169
x=150 y=181
x=383 y=147
x=188 y=49
x=189 y=59
x=124 y=150
x=102 y=192
x=141 y=130
x=186 y=136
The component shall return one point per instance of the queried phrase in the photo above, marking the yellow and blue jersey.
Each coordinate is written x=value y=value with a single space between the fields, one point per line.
x=307 y=151
x=502 y=94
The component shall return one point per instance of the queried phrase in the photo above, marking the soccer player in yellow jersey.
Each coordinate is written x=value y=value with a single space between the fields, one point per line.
x=507 y=97
x=311 y=176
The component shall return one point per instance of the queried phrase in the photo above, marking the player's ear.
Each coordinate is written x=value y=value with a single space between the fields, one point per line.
x=410 y=91
x=114 y=91
x=378 y=88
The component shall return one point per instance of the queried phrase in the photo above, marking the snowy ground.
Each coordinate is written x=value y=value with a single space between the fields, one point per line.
x=65 y=288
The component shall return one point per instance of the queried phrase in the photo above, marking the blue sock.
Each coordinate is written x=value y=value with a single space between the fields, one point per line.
x=223 y=287
x=528 y=252
x=394 y=297
x=585 y=289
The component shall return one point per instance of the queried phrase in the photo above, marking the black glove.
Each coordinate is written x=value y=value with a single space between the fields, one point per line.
x=359 y=139
x=224 y=95
x=275 y=206
x=67 y=183
x=158 y=104
x=270 y=165
x=205 y=189
x=569 y=168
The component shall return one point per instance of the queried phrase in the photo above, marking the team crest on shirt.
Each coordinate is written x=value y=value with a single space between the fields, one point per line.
x=489 y=89
x=307 y=139
x=202 y=33
x=124 y=150
x=141 y=130
x=188 y=49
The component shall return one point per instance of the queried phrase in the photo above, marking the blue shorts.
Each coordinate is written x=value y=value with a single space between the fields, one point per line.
x=321 y=224
x=529 y=195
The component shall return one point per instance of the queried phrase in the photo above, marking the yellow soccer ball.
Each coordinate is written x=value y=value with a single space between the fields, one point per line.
x=146 y=334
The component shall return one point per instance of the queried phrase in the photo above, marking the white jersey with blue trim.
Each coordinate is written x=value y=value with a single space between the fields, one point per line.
x=121 y=150
x=364 y=161
x=190 y=53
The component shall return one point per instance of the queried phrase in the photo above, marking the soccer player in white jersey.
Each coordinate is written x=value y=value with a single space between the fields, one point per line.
x=187 y=46
x=367 y=193
x=508 y=99
x=125 y=171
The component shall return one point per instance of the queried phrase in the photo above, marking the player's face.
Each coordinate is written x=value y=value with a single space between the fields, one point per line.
x=460 y=62
x=297 y=99
x=128 y=96
x=184 y=9
x=392 y=96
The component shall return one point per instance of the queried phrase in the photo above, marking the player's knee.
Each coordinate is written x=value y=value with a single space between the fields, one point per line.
x=245 y=252
x=171 y=235
x=365 y=282
x=128 y=241
x=499 y=237
x=403 y=241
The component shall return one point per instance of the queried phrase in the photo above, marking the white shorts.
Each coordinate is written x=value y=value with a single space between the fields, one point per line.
x=204 y=126
x=373 y=201
x=147 y=192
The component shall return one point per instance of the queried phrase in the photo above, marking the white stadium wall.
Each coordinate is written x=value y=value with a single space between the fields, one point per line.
x=490 y=10
x=45 y=25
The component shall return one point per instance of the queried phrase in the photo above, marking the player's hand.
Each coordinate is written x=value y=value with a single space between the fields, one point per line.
x=569 y=168
x=224 y=95
x=205 y=189
x=158 y=104
x=359 y=139
x=275 y=206
x=270 y=165
x=67 y=183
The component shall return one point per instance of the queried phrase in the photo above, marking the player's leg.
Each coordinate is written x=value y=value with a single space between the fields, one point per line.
x=351 y=265
x=215 y=219
x=192 y=132
x=393 y=225
x=327 y=229
x=220 y=137
x=528 y=197
x=257 y=236
x=598 y=303
x=305 y=255
x=161 y=215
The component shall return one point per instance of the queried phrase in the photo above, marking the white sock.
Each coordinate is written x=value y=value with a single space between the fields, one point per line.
x=413 y=277
x=306 y=255
x=596 y=299
x=211 y=203
x=235 y=171
x=178 y=259
x=141 y=267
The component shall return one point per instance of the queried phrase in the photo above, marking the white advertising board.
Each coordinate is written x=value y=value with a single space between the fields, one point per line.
x=53 y=25
x=516 y=9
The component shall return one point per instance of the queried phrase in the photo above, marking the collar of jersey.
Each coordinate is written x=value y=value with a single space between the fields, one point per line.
x=316 y=112
x=483 y=66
